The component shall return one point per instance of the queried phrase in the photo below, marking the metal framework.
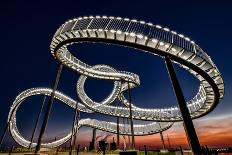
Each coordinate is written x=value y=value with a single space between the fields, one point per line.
x=134 y=34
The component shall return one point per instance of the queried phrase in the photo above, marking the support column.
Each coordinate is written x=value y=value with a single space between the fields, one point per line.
x=162 y=137
x=131 y=119
x=36 y=123
x=169 y=144
x=75 y=133
x=118 y=139
x=188 y=124
x=48 y=110
x=5 y=129
x=75 y=121
x=124 y=136
x=92 y=143
x=128 y=136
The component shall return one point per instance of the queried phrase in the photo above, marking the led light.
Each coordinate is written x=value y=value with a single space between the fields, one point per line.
x=158 y=26
x=140 y=36
x=161 y=43
x=173 y=32
x=173 y=49
x=134 y=20
x=126 y=19
x=154 y=40
x=119 y=32
x=186 y=38
x=166 y=29
x=142 y=22
x=119 y=18
x=113 y=31
x=132 y=34
x=181 y=35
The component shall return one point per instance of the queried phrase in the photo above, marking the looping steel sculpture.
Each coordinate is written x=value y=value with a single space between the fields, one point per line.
x=135 y=34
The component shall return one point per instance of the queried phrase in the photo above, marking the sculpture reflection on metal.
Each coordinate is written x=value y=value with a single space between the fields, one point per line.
x=135 y=34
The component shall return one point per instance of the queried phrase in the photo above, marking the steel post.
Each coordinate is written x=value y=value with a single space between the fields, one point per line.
x=48 y=110
x=131 y=119
x=187 y=121
x=36 y=123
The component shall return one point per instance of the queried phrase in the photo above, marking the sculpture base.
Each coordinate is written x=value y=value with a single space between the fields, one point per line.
x=129 y=152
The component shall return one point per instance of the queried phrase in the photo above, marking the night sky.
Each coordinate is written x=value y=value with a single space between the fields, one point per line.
x=27 y=28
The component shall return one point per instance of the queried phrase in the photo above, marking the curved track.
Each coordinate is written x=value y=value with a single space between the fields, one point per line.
x=134 y=34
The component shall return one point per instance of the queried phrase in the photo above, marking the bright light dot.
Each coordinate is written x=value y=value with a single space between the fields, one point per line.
x=186 y=38
x=104 y=16
x=111 y=17
x=158 y=26
x=154 y=40
x=161 y=43
x=181 y=35
x=166 y=45
x=126 y=19
x=140 y=36
x=85 y=17
x=119 y=32
x=166 y=29
x=132 y=34
x=134 y=20
x=173 y=49
x=173 y=32
x=113 y=31
x=98 y=17
x=150 y=24
x=119 y=18
x=142 y=22
x=126 y=33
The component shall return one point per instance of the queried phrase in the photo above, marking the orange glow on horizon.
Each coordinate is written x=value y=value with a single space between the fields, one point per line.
x=211 y=131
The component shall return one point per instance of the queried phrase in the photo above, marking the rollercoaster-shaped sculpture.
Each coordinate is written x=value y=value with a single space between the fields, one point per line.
x=135 y=34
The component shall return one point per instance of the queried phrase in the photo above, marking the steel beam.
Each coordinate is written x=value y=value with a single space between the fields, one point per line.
x=48 y=110
x=187 y=121
x=36 y=123
x=131 y=120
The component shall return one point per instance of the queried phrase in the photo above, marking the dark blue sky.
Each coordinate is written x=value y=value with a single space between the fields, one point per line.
x=27 y=28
